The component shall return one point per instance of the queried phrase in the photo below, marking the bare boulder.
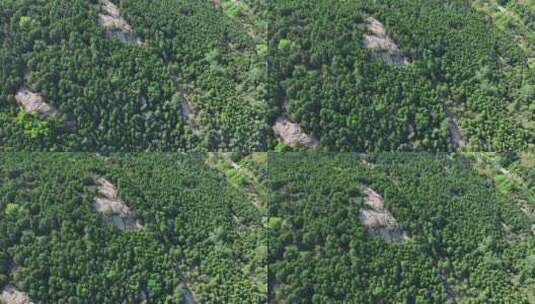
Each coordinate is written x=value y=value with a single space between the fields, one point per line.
x=10 y=295
x=113 y=209
x=33 y=102
x=381 y=44
x=116 y=26
x=378 y=220
x=292 y=134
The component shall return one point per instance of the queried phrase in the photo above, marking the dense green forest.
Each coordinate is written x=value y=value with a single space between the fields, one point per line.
x=458 y=68
x=333 y=227
x=115 y=96
x=463 y=240
x=200 y=239
x=218 y=75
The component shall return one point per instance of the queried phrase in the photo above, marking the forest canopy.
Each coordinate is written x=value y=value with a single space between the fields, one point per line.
x=251 y=75
x=460 y=240
x=187 y=56
x=198 y=238
x=400 y=75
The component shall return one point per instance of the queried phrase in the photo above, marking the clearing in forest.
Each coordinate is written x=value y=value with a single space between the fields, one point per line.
x=114 y=209
x=509 y=20
x=378 y=220
x=507 y=182
x=34 y=103
x=10 y=295
x=292 y=134
x=240 y=177
x=382 y=45
x=239 y=9
x=116 y=26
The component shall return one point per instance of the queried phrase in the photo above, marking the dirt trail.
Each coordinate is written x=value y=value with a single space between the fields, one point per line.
x=254 y=196
x=114 y=209
x=32 y=102
x=292 y=134
x=116 y=26
x=382 y=45
x=379 y=220
x=10 y=295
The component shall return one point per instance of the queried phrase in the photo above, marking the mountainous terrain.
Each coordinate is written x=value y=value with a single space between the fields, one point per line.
x=400 y=228
x=146 y=228
x=229 y=75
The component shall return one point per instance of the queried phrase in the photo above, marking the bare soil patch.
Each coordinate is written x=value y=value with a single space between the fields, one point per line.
x=378 y=220
x=116 y=26
x=292 y=134
x=32 y=102
x=114 y=209
x=10 y=295
x=382 y=45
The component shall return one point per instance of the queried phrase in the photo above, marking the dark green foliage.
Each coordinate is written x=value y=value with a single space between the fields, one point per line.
x=337 y=90
x=63 y=253
x=118 y=96
x=460 y=248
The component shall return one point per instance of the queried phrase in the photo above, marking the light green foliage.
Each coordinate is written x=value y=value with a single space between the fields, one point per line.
x=12 y=209
x=275 y=222
x=34 y=127
x=262 y=50
x=232 y=9
x=528 y=93
x=24 y=21
x=284 y=44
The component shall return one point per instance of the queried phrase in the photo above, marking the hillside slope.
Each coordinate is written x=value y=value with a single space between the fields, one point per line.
x=147 y=228
x=395 y=228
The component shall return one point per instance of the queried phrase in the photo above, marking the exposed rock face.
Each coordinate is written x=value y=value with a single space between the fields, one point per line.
x=114 y=209
x=116 y=26
x=189 y=298
x=382 y=45
x=457 y=137
x=32 y=102
x=10 y=295
x=188 y=115
x=378 y=220
x=292 y=134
